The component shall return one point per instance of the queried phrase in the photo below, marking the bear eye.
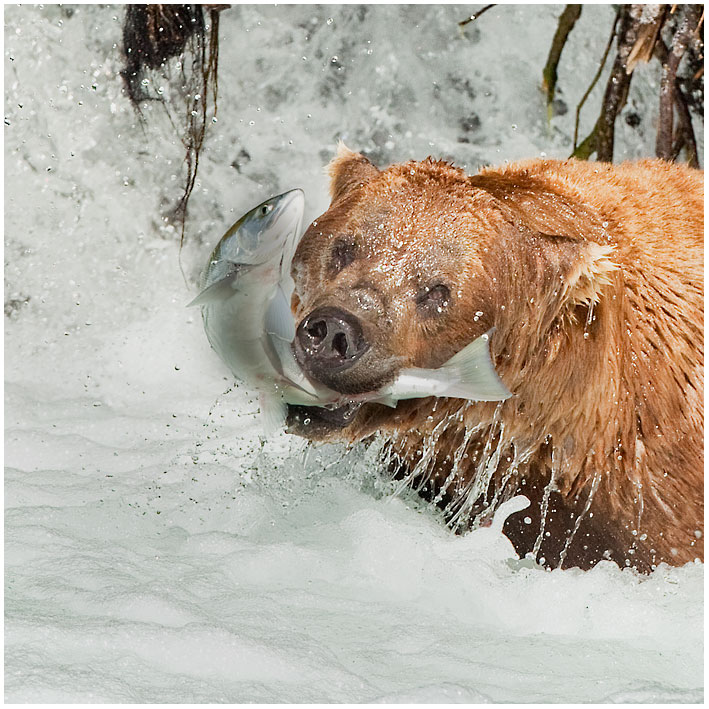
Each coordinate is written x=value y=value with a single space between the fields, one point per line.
x=342 y=255
x=432 y=300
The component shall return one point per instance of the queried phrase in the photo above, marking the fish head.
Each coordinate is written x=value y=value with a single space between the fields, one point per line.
x=268 y=233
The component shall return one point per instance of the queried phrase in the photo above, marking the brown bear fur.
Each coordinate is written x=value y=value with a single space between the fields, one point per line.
x=591 y=275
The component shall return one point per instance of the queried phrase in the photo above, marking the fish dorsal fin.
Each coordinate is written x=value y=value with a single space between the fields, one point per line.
x=279 y=319
x=223 y=288
x=473 y=375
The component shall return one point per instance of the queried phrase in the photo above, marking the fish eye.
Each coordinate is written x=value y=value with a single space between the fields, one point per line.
x=433 y=300
x=265 y=210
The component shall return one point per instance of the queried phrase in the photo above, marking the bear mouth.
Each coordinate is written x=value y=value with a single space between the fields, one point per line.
x=313 y=420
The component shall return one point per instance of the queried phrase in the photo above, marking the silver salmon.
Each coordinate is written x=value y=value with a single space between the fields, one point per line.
x=245 y=302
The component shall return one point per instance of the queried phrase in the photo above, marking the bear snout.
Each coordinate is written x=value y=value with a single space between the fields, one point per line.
x=328 y=342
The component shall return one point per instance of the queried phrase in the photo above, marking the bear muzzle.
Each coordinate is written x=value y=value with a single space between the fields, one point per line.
x=335 y=347
x=328 y=342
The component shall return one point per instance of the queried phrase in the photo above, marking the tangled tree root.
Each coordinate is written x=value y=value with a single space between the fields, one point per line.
x=153 y=35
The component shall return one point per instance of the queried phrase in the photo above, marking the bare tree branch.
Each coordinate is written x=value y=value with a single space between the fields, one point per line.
x=651 y=22
x=618 y=84
x=668 y=84
x=685 y=131
x=591 y=86
x=567 y=20
x=475 y=15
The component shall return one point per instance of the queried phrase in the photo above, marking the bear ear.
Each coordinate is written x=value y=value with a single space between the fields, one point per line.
x=348 y=170
x=591 y=271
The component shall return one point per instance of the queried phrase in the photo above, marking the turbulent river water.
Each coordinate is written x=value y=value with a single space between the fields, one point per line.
x=156 y=550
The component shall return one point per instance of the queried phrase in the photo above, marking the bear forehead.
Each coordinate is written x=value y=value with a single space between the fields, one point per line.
x=425 y=235
x=416 y=188
x=396 y=212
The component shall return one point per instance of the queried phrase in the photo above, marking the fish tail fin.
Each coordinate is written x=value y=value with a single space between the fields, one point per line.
x=473 y=373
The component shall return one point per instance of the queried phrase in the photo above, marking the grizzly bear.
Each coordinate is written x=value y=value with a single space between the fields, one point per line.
x=589 y=277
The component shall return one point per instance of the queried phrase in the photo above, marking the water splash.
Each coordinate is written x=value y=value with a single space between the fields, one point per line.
x=506 y=510
x=550 y=487
x=592 y=491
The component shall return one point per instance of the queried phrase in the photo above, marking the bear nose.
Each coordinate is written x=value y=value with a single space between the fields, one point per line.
x=331 y=339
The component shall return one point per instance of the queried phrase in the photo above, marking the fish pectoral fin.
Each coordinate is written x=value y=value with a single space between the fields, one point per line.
x=223 y=288
x=273 y=413
x=473 y=375
x=290 y=369
x=279 y=319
